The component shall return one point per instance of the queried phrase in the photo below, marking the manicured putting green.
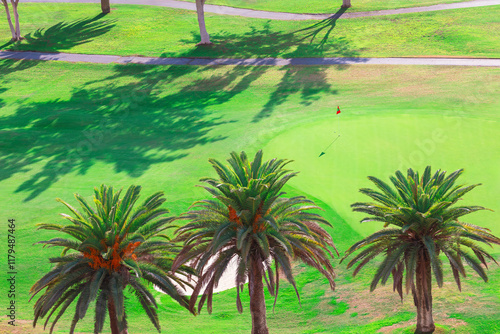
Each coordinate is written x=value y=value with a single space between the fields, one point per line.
x=380 y=145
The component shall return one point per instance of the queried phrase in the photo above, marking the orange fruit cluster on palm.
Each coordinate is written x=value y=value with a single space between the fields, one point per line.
x=114 y=263
x=233 y=216
x=256 y=226
x=259 y=227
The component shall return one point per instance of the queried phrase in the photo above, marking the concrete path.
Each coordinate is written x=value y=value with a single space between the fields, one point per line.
x=105 y=59
x=225 y=10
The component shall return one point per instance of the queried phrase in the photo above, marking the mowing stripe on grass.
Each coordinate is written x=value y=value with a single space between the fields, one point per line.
x=106 y=59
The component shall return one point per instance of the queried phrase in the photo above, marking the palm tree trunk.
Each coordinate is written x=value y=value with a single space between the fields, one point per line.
x=422 y=296
x=105 y=7
x=346 y=3
x=15 y=3
x=113 y=319
x=205 y=38
x=13 y=30
x=257 y=300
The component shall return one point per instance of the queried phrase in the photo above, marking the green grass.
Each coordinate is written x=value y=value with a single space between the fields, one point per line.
x=319 y=6
x=65 y=128
x=340 y=307
x=163 y=32
x=336 y=182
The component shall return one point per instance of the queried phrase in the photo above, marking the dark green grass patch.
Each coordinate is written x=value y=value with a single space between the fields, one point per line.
x=164 y=32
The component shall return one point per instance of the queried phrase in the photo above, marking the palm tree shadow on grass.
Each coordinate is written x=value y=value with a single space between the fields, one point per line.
x=268 y=41
x=325 y=26
x=135 y=118
x=310 y=82
x=313 y=81
x=315 y=40
x=63 y=35
x=144 y=115
x=8 y=66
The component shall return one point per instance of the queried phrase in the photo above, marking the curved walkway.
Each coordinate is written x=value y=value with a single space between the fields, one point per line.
x=106 y=59
x=225 y=10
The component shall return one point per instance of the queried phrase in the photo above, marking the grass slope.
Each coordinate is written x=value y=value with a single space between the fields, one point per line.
x=163 y=32
x=65 y=128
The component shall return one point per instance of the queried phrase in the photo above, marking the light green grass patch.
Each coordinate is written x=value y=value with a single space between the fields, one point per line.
x=366 y=146
x=340 y=307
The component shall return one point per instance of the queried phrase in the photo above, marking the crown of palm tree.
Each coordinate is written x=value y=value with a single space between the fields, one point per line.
x=249 y=220
x=112 y=247
x=426 y=224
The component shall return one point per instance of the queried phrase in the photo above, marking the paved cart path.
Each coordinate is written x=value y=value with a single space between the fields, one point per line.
x=107 y=59
x=225 y=10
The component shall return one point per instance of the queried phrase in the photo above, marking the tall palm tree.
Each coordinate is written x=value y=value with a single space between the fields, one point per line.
x=111 y=247
x=425 y=224
x=251 y=222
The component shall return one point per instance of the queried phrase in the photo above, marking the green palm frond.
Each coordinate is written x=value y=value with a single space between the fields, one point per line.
x=111 y=246
x=421 y=222
x=249 y=219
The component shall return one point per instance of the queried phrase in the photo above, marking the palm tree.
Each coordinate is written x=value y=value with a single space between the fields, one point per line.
x=426 y=224
x=251 y=222
x=112 y=247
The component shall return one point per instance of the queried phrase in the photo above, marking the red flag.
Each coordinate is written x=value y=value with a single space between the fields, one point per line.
x=338 y=110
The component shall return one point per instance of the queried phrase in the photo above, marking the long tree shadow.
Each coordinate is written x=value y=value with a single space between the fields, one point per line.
x=310 y=82
x=324 y=27
x=144 y=115
x=63 y=35
x=315 y=40
x=8 y=66
x=137 y=117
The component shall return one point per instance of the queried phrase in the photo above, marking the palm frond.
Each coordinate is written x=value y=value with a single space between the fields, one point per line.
x=423 y=213
x=112 y=246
